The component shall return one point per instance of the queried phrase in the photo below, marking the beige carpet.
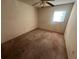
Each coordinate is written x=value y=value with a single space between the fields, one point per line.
x=38 y=44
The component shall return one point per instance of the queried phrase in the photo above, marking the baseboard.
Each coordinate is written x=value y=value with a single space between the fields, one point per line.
x=50 y=30
x=19 y=36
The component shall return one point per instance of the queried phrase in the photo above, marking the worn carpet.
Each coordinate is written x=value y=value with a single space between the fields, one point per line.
x=37 y=44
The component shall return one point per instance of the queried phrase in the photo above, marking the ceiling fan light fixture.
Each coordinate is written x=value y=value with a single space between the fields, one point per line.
x=43 y=3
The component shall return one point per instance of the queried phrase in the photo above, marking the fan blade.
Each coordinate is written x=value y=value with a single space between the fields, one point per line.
x=35 y=3
x=50 y=4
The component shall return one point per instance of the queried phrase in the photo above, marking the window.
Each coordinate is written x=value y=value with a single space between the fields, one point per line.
x=59 y=16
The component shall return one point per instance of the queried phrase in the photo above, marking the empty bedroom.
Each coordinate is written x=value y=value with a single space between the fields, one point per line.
x=38 y=29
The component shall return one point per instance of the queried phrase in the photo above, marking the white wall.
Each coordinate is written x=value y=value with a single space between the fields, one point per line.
x=17 y=19
x=71 y=35
x=46 y=17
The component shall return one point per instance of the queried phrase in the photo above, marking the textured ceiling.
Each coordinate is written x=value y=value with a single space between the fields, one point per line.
x=56 y=2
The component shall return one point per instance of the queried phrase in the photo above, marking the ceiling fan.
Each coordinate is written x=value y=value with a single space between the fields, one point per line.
x=43 y=3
